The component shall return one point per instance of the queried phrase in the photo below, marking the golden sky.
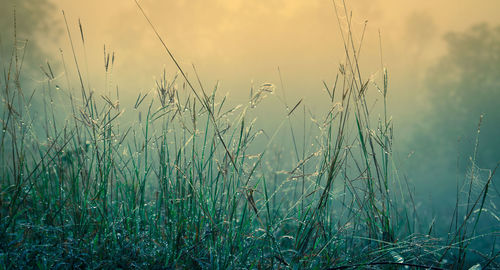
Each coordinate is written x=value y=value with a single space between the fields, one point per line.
x=236 y=41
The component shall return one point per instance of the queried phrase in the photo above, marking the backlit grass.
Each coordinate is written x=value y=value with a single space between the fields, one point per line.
x=181 y=179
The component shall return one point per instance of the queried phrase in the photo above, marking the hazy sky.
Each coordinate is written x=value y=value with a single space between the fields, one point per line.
x=238 y=41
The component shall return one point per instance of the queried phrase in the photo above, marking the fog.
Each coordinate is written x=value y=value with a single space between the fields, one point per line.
x=237 y=42
x=242 y=43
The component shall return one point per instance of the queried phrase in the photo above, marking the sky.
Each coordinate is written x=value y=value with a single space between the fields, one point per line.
x=238 y=42
x=243 y=43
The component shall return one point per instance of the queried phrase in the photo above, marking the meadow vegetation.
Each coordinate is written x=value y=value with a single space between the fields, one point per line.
x=184 y=184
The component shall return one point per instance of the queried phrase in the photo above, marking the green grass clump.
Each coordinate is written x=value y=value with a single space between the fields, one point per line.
x=185 y=184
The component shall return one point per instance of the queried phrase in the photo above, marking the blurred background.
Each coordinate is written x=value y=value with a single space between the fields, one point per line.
x=442 y=57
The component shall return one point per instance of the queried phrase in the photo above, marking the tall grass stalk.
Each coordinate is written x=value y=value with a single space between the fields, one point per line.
x=179 y=178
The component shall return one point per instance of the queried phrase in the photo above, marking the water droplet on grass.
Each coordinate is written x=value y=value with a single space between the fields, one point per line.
x=398 y=258
x=476 y=267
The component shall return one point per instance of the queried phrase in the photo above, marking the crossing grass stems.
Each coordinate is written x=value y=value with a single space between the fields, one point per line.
x=186 y=186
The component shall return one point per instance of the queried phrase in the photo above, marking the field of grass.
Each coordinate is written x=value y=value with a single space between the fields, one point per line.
x=192 y=182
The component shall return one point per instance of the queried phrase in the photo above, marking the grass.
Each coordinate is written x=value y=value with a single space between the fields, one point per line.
x=188 y=185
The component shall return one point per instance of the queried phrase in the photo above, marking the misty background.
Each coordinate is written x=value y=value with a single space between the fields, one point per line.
x=442 y=57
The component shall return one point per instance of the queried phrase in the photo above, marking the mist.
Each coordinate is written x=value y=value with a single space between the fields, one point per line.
x=237 y=44
x=441 y=60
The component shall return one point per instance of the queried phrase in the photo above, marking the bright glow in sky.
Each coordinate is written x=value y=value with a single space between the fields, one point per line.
x=236 y=41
